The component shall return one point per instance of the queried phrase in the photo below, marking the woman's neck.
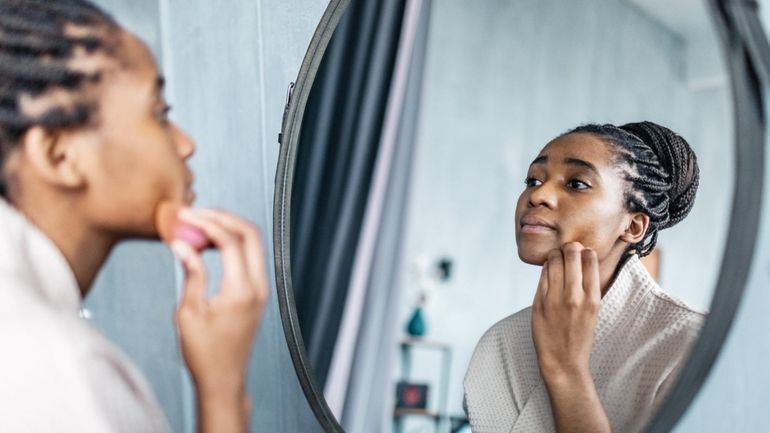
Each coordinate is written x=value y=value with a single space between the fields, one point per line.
x=84 y=248
x=610 y=268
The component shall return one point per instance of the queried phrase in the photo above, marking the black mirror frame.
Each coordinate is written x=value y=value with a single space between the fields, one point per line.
x=747 y=54
x=299 y=92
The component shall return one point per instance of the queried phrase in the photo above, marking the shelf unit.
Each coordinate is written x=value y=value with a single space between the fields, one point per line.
x=441 y=419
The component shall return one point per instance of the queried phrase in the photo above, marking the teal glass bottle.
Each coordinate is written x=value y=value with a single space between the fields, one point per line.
x=416 y=326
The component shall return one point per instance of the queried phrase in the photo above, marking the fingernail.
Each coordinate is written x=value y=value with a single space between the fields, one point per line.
x=186 y=213
x=181 y=250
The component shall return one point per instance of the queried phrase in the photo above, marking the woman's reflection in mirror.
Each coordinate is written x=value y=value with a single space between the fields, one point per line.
x=602 y=343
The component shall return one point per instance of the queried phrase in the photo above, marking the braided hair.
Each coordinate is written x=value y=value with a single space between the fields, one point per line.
x=37 y=44
x=661 y=170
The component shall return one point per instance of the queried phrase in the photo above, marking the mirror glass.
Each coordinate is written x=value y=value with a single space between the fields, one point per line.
x=422 y=126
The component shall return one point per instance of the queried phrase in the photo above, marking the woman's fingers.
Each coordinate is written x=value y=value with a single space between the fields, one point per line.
x=590 y=269
x=573 y=271
x=555 y=275
x=572 y=275
x=563 y=325
x=542 y=289
x=217 y=338
x=228 y=244
x=252 y=243
x=196 y=280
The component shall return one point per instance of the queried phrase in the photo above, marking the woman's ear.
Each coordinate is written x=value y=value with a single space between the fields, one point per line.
x=54 y=158
x=636 y=228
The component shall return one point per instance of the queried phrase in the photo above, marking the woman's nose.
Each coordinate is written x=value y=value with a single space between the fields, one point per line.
x=185 y=145
x=543 y=195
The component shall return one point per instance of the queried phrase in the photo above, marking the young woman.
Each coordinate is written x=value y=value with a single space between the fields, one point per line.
x=602 y=344
x=87 y=156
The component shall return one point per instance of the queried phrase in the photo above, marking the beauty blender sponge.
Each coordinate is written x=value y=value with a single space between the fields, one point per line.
x=169 y=228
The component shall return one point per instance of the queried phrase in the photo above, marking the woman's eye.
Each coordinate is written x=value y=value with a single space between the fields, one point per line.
x=531 y=181
x=578 y=184
x=163 y=114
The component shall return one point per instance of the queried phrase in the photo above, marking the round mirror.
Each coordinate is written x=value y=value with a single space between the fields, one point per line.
x=433 y=153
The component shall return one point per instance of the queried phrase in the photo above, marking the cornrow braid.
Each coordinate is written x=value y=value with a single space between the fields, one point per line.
x=35 y=48
x=661 y=170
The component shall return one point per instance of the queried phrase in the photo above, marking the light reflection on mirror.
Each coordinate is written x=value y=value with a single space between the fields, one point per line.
x=764 y=14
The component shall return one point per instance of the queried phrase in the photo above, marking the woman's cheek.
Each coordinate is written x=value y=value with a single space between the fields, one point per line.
x=586 y=234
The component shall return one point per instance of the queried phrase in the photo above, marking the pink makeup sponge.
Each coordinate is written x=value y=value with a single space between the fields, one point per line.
x=169 y=228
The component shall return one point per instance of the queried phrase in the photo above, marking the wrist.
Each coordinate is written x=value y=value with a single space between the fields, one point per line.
x=564 y=374
x=220 y=394
x=219 y=387
x=223 y=411
x=568 y=383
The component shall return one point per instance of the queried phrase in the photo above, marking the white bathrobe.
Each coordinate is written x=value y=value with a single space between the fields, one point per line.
x=57 y=373
x=641 y=342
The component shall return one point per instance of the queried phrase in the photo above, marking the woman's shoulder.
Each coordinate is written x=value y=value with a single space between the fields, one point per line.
x=660 y=308
x=654 y=321
x=669 y=310
x=510 y=329
x=506 y=343
x=74 y=370
x=667 y=301
x=502 y=372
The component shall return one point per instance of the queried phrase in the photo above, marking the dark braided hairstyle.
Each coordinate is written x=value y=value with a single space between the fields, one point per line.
x=661 y=170
x=36 y=46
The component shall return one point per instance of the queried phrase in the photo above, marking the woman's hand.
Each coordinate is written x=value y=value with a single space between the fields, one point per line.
x=565 y=310
x=217 y=333
x=564 y=315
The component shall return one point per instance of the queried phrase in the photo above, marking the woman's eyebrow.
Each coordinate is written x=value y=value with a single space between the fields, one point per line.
x=539 y=160
x=569 y=161
x=581 y=163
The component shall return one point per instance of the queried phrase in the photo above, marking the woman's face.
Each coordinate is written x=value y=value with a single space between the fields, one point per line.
x=573 y=193
x=133 y=157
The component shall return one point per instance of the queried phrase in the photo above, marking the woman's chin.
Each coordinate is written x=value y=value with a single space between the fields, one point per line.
x=533 y=257
x=189 y=197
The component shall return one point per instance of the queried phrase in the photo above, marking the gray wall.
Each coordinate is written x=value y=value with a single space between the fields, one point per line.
x=228 y=65
x=502 y=79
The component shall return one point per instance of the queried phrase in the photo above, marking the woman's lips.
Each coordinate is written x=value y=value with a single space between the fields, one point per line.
x=190 y=196
x=536 y=229
x=531 y=224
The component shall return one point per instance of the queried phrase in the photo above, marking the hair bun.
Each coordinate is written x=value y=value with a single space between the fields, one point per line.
x=678 y=160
